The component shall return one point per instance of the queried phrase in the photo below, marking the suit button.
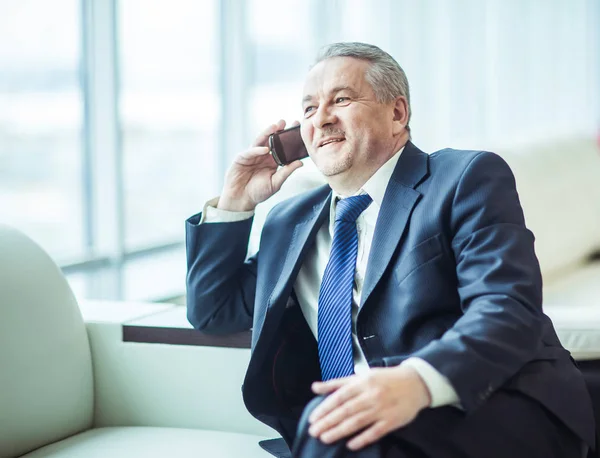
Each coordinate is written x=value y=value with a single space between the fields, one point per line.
x=486 y=394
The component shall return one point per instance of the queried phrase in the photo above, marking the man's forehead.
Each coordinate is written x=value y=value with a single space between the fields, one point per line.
x=337 y=72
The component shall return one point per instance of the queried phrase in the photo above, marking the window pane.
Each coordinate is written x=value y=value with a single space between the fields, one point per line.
x=41 y=117
x=169 y=107
x=282 y=50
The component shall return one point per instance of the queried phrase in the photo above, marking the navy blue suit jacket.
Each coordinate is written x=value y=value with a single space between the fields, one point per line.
x=452 y=278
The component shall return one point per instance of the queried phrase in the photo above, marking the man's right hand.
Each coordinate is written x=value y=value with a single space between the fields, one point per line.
x=253 y=177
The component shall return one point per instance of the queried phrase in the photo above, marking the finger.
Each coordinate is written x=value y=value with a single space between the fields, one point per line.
x=255 y=152
x=263 y=137
x=334 y=400
x=295 y=123
x=253 y=156
x=348 y=427
x=284 y=173
x=322 y=388
x=368 y=436
x=329 y=386
x=355 y=406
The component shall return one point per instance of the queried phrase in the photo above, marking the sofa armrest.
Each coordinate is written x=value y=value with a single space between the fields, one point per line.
x=150 y=384
x=100 y=311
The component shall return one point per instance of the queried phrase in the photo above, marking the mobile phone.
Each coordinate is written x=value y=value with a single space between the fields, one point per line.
x=287 y=146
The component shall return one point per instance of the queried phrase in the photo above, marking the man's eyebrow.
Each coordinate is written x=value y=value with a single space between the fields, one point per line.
x=335 y=90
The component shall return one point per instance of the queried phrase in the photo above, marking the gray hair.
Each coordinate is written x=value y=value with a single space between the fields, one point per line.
x=385 y=76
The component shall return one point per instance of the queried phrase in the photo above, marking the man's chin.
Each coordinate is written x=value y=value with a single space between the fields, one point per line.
x=330 y=170
x=331 y=166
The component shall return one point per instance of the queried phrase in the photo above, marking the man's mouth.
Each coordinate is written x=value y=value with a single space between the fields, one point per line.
x=328 y=141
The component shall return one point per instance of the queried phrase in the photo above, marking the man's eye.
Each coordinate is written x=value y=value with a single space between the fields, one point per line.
x=341 y=99
x=308 y=109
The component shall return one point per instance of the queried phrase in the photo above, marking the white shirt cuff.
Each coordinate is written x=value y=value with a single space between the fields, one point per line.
x=441 y=391
x=212 y=214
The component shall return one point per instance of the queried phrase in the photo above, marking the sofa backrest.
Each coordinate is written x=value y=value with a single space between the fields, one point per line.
x=46 y=384
x=559 y=187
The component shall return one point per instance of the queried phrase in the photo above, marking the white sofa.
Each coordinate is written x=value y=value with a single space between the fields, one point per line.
x=71 y=388
x=559 y=186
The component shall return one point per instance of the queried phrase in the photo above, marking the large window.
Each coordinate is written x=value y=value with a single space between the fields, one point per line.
x=169 y=112
x=282 y=42
x=119 y=118
x=41 y=119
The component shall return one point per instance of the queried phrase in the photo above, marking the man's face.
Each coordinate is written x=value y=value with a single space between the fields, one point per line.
x=344 y=126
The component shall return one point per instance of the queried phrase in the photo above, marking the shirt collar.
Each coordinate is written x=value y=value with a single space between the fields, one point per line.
x=377 y=184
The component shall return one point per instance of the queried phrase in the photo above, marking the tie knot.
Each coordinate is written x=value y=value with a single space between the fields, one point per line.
x=350 y=208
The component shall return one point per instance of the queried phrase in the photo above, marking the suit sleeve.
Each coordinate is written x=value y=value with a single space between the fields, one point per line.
x=221 y=283
x=499 y=284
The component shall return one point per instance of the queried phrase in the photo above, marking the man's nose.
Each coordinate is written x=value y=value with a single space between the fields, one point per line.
x=324 y=117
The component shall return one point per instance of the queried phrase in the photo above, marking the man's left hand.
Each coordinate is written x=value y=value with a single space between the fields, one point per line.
x=376 y=403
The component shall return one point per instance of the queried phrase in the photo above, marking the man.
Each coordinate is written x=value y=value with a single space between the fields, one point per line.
x=409 y=285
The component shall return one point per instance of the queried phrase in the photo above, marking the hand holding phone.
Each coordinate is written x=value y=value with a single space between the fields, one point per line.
x=254 y=175
x=287 y=146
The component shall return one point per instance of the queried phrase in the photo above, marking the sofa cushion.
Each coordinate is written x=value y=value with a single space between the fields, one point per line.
x=558 y=184
x=148 y=442
x=573 y=304
x=45 y=364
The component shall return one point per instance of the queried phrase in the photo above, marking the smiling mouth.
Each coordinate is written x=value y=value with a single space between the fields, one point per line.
x=334 y=140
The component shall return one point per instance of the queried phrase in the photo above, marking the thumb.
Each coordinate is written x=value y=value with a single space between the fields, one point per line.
x=284 y=173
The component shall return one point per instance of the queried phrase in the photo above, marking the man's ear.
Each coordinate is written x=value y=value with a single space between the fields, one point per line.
x=400 y=114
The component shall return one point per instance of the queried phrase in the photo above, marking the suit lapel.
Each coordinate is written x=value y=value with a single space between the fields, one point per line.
x=398 y=203
x=303 y=234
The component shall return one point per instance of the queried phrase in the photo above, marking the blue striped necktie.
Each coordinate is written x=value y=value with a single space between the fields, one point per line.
x=335 y=296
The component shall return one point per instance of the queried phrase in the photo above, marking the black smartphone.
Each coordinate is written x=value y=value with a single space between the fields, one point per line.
x=287 y=146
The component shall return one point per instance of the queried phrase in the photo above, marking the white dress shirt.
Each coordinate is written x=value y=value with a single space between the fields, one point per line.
x=309 y=278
